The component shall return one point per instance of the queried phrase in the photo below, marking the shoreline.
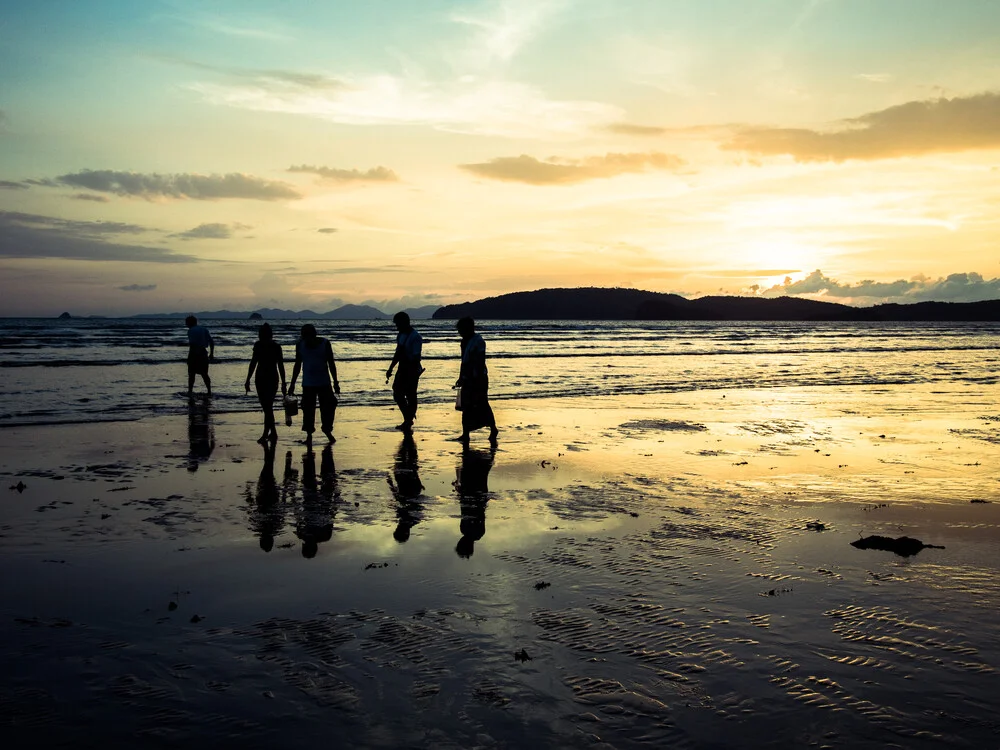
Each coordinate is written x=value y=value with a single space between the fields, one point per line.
x=627 y=569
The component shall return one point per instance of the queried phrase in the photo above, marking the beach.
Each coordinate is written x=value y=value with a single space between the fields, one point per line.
x=669 y=569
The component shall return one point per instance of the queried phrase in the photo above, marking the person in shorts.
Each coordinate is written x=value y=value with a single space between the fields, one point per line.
x=201 y=350
x=314 y=359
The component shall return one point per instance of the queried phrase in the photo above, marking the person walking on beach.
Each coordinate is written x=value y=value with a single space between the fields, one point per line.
x=314 y=359
x=201 y=350
x=473 y=380
x=407 y=356
x=268 y=363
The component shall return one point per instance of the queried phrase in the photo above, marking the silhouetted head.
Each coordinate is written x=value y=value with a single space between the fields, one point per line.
x=402 y=321
x=466 y=327
x=308 y=331
x=190 y=320
x=264 y=333
x=266 y=542
x=309 y=549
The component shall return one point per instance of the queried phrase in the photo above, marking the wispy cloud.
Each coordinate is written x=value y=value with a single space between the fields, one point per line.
x=33 y=236
x=91 y=197
x=327 y=230
x=501 y=29
x=482 y=107
x=911 y=129
x=957 y=287
x=182 y=186
x=554 y=171
x=211 y=231
x=10 y=185
x=247 y=26
x=375 y=174
x=875 y=77
x=275 y=78
x=627 y=128
x=91 y=228
x=138 y=287
x=475 y=98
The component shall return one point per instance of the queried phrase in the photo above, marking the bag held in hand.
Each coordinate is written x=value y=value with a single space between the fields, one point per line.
x=291 y=408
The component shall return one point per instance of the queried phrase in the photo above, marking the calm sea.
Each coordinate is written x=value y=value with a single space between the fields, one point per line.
x=123 y=369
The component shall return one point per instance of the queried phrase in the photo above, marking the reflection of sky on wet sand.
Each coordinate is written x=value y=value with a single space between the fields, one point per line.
x=679 y=563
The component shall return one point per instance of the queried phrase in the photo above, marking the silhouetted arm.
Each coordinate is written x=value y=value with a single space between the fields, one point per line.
x=398 y=355
x=295 y=370
x=250 y=369
x=333 y=367
x=281 y=368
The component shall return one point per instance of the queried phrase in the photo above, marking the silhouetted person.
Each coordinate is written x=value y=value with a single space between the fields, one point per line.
x=406 y=489
x=269 y=364
x=267 y=513
x=472 y=485
x=201 y=434
x=407 y=356
x=315 y=523
x=474 y=382
x=201 y=349
x=314 y=358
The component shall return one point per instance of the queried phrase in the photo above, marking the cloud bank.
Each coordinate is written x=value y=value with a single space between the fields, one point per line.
x=10 y=185
x=957 y=287
x=138 y=287
x=554 y=171
x=375 y=174
x=32 y=236
x=911 y=129
x=182 y=186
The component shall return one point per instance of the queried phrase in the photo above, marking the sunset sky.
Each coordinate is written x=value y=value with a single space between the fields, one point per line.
x=171 y=156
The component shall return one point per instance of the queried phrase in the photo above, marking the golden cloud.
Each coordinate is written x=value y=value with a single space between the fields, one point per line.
x=556 y=171
x=911 y=129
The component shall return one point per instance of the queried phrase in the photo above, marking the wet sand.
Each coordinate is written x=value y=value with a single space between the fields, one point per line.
x=668 y=572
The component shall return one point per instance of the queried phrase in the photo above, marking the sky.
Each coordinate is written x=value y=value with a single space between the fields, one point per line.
x=175 y=155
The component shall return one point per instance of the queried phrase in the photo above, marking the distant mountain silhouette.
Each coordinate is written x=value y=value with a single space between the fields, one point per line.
x=594 y=303
x=344 y=312
x=425 y=312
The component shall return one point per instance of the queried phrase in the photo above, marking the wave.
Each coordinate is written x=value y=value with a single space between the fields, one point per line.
x=572 y=354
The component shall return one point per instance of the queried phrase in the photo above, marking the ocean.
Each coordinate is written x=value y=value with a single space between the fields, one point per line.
x=87 y=370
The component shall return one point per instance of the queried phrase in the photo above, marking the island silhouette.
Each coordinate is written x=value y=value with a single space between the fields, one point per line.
x=619 y=303
x=597 y=303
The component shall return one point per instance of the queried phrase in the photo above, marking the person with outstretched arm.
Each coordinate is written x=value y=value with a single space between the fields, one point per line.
x=314 y=359
x=404 y=388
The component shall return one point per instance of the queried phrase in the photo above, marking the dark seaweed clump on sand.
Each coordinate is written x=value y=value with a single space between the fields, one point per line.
x=904 y=546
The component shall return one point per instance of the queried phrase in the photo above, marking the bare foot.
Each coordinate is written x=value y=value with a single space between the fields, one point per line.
x=329 y=436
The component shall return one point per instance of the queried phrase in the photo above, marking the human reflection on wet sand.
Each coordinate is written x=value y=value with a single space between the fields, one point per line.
x=472 y=485
x=406 y=489
x=267 y=506
x=201 y=433
x=314 y=516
